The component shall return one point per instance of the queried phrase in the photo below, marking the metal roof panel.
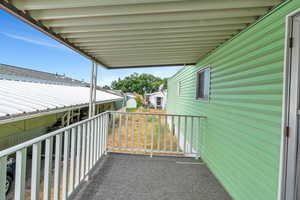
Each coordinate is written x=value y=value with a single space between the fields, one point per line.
x=99 y=25
x=18 y=97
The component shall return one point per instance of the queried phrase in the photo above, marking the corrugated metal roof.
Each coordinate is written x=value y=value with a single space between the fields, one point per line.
x=131 y=33
x=23 y=98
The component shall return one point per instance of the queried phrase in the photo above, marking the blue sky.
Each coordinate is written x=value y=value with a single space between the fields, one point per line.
x=24 y=46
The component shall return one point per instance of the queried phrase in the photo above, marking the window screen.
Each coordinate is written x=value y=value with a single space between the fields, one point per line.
x=203 y=84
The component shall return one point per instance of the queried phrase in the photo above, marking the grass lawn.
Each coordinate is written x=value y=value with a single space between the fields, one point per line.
x=136 y=138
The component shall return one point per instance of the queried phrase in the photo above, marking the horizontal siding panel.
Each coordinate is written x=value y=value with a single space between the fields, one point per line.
x=240 y=139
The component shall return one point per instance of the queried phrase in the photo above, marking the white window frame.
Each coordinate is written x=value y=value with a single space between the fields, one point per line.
x=290 y=142
x=179 y=84
x=197 y=83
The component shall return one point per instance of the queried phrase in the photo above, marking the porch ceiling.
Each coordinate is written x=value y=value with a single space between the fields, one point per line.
x=138 y=33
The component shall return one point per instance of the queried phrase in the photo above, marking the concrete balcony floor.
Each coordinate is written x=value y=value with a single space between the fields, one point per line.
x=140 y=177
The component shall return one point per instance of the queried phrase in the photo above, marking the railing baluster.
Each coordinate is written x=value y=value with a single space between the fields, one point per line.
x=158 y=138
x=98 y=147
x=126 y=129
x=113 y=129
x=178 y=134
x=199 y=136
x=106 y=126
x=152 y=134
x=145 y=134
x=139 y=132
x=21 y=157
x=185 y=134
x=102 y=135
x=91 y=156
x=88 y=147
x=172 y=133
x=99 y=131
x=95 y=140
x=72 y=159
x=132 y=132
x=192 y=131
x=78 y=155
x=35 y=171
x=3 y=167
x=83 y=160
x=97 y=127
x=120 y=132
x=165 y=132
x=66 y=165
x=48 y=168
x=57 y=168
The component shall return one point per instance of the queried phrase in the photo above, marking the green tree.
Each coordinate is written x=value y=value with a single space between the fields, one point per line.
x=139 y=101
x=106 y=87
x=138 y=83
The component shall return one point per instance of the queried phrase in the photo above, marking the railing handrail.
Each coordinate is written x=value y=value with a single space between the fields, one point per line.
x=28 y=143
x=158 y=114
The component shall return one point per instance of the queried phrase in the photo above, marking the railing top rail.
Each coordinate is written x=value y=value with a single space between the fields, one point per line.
x=144 y=113
x=59 y=131
x=28 y=143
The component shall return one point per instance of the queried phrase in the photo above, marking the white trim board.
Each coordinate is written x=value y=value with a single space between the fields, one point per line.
x=289 y=143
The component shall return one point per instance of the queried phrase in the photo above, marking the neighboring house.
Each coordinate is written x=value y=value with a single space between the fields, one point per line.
x=31 y=108
x=9 y=72
x=130 y=100
x=156 y=100
x=131 y=103
x=130 y=95
x=240 y=87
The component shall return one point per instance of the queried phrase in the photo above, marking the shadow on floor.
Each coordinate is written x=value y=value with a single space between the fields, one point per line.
x=138 y=177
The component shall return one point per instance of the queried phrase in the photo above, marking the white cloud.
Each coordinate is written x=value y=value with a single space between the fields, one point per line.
x=33 y=41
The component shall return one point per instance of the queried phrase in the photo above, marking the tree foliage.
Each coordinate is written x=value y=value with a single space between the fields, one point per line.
x=106 y=87
x=139 y=101
x=139 y=83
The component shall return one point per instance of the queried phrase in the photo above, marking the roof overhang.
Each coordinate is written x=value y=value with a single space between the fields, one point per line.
x=26 y=116
x=145 y=33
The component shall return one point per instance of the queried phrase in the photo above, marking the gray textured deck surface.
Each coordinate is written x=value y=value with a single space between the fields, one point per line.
x=136 y=177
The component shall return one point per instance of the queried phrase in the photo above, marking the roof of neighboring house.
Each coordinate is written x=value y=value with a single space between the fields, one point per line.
x=19 y=98
x=156 y=93
x=9 y=72
x=129 y=94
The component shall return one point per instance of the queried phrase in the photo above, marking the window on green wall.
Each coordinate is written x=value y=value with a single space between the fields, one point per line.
x=203 y=84
x=179 y=88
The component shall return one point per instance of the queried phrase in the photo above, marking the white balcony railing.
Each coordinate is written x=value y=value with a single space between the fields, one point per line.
x=154 y=133
x=52 y=166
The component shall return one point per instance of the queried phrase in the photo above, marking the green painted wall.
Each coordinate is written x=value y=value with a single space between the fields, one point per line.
x=241 y=135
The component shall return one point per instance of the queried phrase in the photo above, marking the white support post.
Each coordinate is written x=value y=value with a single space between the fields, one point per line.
x=92 y=104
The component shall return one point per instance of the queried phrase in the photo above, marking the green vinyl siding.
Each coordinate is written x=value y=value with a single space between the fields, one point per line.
x=240 y=139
